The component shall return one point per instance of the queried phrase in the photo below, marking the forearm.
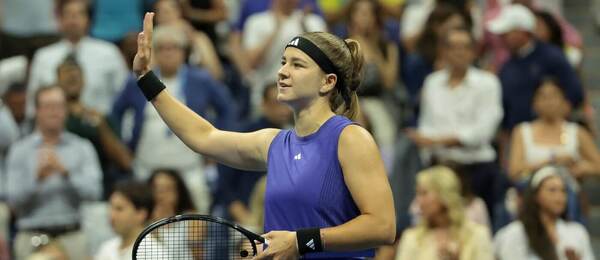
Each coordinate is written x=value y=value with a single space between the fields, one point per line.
x=237 y=55
x=116 y=151
x=363 y=232
x=388 y=75
x=208 y=56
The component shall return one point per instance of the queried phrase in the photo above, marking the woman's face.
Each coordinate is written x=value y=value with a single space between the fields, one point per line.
x=542 y=32
x=552 y=196
x=165 y=191
x=170 y=55
x=549 y=102
x=363 y=18
x=429 y=202
x=300 y=78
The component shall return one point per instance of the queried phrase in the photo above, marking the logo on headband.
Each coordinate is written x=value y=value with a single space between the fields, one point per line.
x=294 y=42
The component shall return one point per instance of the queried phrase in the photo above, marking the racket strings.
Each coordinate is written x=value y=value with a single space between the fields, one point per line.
x=195 y=239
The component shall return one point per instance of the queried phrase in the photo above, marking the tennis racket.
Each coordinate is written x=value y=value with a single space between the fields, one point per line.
x=192 y=237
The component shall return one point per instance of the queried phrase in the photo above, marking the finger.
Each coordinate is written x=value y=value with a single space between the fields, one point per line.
x=148 y=26
x=268 y=235
x=262 y=255
x=141 y=43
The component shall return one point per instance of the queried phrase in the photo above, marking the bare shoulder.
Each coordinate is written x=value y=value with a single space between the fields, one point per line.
x=265 y=137
x=356 y=143
x=355 y=135
x=268 y=134
x=583 y=133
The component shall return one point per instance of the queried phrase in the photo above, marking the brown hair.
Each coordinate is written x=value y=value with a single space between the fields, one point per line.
x=539 y=240
x=138 y=193
x=347 y=57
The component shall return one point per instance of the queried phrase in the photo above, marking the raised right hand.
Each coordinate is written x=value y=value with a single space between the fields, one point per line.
x=141 y=62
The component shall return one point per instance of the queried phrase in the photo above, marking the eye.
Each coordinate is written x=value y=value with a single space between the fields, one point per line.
x=282 y=62
x=298 y=65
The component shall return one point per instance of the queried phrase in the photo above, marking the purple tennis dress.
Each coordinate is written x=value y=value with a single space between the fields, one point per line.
x=305 y=184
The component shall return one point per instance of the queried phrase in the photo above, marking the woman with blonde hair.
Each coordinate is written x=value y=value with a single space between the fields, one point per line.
x=443 y=232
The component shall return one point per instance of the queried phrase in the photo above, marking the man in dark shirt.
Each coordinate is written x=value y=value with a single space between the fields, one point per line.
x=531 y=61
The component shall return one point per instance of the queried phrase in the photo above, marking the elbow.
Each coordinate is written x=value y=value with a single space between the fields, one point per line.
x=386 y=232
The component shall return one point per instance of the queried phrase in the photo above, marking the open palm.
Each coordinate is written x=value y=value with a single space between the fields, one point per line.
x=141 y=62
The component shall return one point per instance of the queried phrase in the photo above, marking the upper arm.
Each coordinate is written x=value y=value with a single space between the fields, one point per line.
x=246 y=151
x=587 y=146
x=516 y=152
x=364 y=173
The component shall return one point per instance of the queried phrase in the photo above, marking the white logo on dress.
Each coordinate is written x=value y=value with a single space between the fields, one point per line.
x=298 y=156
x=311 y=244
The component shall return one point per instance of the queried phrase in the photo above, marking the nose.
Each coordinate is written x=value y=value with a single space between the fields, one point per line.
x=283 y=72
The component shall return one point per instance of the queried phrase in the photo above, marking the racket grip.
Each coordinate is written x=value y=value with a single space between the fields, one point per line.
x=267 y=242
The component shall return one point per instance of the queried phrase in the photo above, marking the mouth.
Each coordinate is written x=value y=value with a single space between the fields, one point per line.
x=282 y=85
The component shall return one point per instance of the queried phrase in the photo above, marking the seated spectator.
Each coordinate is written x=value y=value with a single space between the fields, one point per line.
x=131 y=206
x=234 y=187
x=540 y=232
x=205 y=14
x=266 y=34
x=365 y=24
x=203 y=53
x=548 y=30
x=444 y=232
x=50 y=173
x=427 y=57
x=555 y=7
x=460 y=113
x=115 y=158
x=103 y=66
x=475 y=208
x=193 y=86
x=551 y=139
x=13 y=124
x=171 y=195
x=415 y=16
x=516 y=25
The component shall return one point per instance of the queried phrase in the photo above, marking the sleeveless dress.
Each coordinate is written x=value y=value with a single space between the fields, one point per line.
x=305 y=184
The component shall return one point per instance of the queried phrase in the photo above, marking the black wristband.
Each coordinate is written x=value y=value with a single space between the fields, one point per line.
x=150 y=85
x=309 y=240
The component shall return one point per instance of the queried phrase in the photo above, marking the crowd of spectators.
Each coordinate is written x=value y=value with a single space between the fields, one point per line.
x=478 y=107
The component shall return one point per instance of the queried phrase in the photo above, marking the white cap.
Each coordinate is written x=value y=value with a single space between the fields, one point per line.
x=513 y=17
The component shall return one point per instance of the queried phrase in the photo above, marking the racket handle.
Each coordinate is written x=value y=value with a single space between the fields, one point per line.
x=267 y=242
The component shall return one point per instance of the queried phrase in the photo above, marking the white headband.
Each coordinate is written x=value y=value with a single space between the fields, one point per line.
x=542 y=174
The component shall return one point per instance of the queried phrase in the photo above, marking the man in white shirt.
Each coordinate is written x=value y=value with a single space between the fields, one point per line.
x=265 y=36
x=131 y=204
x=103 y=65
x=461 y=109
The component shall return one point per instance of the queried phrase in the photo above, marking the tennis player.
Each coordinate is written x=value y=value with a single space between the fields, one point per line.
x=327 y=193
